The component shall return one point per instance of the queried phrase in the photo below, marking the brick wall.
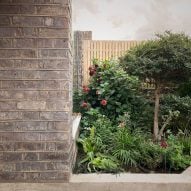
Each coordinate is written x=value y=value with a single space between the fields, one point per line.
x=79 y=37
x=35 y=90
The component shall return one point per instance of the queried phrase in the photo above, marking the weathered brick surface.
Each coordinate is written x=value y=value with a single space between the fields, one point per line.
x=35 y=64
x=35 y=90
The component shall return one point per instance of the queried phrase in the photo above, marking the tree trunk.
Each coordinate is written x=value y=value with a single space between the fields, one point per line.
x=156 y=113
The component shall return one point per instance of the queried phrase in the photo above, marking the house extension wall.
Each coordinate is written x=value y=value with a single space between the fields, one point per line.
x=35 y=90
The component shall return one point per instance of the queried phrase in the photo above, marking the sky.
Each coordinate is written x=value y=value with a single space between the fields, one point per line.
x=131 y=19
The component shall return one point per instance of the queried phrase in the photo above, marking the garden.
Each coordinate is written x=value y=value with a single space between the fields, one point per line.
x=136 y=112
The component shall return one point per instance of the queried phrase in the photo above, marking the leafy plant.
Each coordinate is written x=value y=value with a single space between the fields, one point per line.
x=175 y=157
x=94 y=160
x=184 y=89
x=165 y=62
x=114 y=93
x=151 y=156
x=117 y=112
x=126 y=148
x=182 y=122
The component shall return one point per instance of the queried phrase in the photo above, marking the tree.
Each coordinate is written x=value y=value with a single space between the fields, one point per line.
x=165 y=62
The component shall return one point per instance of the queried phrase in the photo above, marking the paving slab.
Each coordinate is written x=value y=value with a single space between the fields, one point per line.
x=111 y=182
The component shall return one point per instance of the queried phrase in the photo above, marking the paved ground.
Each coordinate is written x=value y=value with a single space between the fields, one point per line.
x=108 y=182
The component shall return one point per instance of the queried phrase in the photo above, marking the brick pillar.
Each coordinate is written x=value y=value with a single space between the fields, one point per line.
x=35 y=90
x=79 y=38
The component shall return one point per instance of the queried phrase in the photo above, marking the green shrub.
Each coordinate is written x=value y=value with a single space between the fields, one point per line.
x=114 y=93
x=172 y=102
x=93 y=159
x=109 y=148
x=175 y=157
x=125 y=147
x=116 y=125
x=184 y=89
x=151 y=155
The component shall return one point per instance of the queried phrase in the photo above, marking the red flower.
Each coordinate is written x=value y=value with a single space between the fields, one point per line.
x=84 y=104
x=163 y=144
x=96 y=65
x=86 y=89
x=92 y=70
x=103 y=102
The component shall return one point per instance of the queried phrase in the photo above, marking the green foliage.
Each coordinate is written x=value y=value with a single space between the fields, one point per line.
x=151 y=155
x=186 y=143
x=172 y=102
x=121 y=93
x=175 y=157
x=117 y=113
x=102 y=162
x=94 y=160
x=125 y=147
x=127 y=150
x=112 y=84
x=184 y=89
x=103 y=125
x=110 y=148
x=77 y=98
x=164 y=60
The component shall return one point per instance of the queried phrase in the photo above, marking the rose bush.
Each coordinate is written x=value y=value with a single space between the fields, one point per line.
x=113 y=93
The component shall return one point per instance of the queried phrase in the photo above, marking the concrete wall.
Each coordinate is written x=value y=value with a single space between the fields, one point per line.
x=110 y=182
x=35 y=90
